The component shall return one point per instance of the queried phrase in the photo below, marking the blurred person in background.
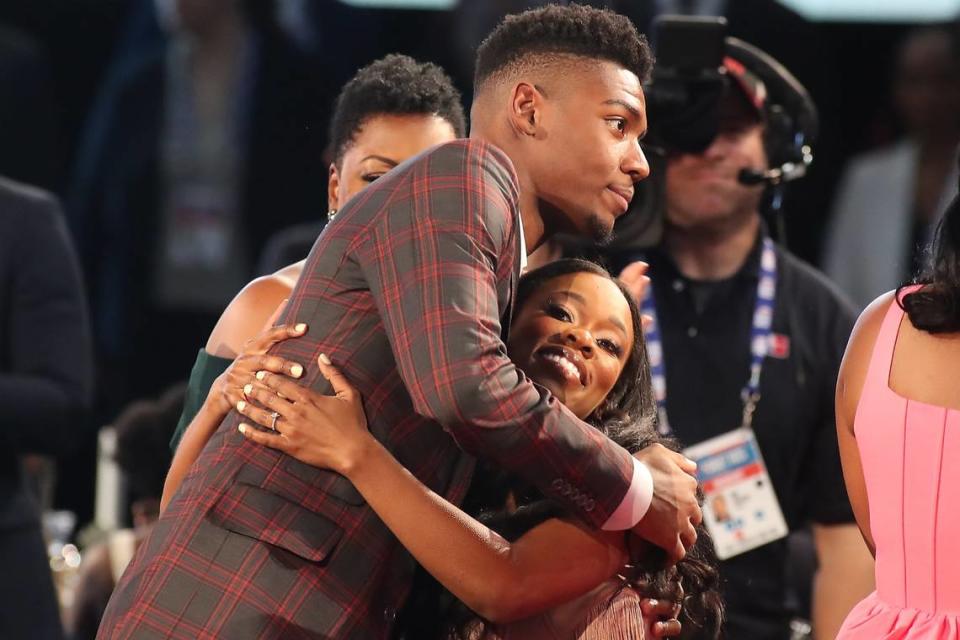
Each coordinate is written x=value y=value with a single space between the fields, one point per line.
x=198 y=146
x=898 y=424
x=748 y=337
x=391 y=110
x=28 y=122
x=46 y=386
x=143 y=457
x=898 y=193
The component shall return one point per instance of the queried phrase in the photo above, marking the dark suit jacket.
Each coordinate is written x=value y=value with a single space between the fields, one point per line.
x=46 y=381
x=407 y=290
x=46 y=369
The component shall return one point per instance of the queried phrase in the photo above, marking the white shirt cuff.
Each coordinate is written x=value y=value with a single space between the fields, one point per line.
x=635 y=503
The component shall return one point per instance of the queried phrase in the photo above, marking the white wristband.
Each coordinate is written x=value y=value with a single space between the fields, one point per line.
x=635 y=503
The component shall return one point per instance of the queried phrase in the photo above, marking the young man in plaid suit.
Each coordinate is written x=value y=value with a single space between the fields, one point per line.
x=409 y=291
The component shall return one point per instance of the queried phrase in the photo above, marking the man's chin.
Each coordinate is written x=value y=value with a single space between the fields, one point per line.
x=600 y=229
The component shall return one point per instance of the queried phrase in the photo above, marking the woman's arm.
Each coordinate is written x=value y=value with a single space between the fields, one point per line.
x=195 y=438
x=227 y=389
x=501 y=581
x=552 y=563
x=850 y=380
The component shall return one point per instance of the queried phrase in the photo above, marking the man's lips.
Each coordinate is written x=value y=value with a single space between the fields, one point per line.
x=625 y=194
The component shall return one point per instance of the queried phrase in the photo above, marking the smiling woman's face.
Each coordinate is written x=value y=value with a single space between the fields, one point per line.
x=573 y=336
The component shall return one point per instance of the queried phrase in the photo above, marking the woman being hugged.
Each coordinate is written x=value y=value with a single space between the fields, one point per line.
x=525 y=568
x=898 y=423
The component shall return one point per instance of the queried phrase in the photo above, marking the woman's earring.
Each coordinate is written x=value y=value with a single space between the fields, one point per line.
x=331 y=214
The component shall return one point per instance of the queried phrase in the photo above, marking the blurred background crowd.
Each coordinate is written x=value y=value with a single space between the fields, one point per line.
x=172 y=139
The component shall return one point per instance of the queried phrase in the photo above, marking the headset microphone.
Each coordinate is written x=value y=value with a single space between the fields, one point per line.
x=784 y=173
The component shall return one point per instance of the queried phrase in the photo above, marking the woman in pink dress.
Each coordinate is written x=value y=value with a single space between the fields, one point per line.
x=898 y=423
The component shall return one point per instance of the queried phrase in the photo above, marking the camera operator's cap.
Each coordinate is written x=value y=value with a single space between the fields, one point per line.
x=751 y=87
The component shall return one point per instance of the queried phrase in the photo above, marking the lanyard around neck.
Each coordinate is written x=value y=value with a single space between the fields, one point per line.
x=760 y=334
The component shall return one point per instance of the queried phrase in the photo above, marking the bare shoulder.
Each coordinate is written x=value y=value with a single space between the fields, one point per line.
x=856 y=360
x=865 y=331
x=247 y=314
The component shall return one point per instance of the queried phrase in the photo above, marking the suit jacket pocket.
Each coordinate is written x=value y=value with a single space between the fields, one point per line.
x=257 y=513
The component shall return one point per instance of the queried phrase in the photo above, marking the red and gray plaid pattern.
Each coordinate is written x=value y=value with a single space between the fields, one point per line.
x=406 y=291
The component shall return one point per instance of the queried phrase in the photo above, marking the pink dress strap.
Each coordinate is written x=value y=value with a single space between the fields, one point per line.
x=878 y=373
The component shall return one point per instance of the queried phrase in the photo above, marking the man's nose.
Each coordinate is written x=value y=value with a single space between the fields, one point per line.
x=636 y=163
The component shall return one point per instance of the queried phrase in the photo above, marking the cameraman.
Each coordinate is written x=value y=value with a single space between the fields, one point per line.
x=719 y=365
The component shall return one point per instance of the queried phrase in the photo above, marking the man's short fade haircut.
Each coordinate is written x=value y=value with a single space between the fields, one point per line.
x=562 y=30
x=393 y=85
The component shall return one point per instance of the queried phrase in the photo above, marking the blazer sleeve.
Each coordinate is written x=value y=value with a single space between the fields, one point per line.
x=433 y=265
x=46 y=382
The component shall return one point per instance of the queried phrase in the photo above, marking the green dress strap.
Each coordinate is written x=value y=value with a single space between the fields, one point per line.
x=206 y=369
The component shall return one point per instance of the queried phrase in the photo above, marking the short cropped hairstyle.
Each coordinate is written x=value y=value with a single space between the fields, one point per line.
x=143 y=433
x=393 y=85
x=562 y=30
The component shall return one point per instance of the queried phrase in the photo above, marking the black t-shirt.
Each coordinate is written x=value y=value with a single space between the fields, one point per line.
x=705 y=329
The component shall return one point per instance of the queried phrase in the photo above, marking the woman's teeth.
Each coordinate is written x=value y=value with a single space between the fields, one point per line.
x=569 y=369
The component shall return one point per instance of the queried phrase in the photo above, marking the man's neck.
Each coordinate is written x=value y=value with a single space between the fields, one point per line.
x=712 y=254
x=534 y=231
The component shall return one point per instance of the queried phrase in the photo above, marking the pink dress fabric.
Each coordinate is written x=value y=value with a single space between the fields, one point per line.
x=910 y=453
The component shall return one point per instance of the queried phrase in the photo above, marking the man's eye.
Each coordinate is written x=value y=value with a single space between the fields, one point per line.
x=618 y=124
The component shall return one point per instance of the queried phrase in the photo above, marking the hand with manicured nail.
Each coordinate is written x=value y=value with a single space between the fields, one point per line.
x=322 y=431
x=227 y=389
x=662 y=615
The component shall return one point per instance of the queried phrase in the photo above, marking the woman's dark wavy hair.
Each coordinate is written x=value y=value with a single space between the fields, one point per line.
x=394 y=85
x=935 y=307
x=628 y=417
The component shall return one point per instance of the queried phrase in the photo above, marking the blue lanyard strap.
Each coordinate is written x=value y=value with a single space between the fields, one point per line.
x=760 y=334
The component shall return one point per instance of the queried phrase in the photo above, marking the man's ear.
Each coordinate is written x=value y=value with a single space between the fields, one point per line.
x=526 y=109
x=333 y=188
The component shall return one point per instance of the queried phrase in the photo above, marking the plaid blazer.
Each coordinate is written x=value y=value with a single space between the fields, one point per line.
x=406 y=291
